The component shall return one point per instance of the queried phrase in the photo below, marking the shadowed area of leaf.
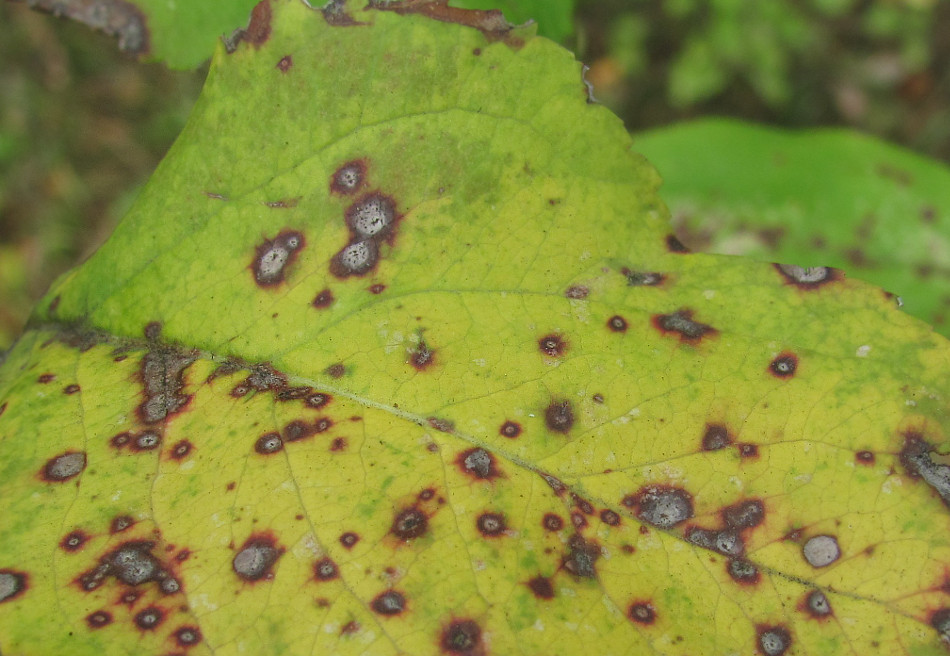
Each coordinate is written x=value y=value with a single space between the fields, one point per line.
x=395 y=354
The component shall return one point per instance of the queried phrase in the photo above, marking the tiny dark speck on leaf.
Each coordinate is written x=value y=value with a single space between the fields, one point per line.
x=285 y=64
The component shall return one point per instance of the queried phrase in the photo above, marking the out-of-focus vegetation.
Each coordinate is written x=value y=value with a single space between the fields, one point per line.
x=82 y=126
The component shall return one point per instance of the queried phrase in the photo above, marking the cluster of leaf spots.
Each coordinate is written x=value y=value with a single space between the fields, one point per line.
x=538 y=438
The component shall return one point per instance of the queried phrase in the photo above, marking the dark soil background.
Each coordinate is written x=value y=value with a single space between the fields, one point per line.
x=82 y=126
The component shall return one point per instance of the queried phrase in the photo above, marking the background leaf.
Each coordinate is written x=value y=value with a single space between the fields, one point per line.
x=814 y=198
x=396 y=354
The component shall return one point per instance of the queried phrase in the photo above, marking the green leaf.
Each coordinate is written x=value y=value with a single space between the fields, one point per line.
x=825 y=197
x=395 y=354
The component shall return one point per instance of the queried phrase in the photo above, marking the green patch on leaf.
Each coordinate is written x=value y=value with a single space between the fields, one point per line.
x=815 y=198
x=396 y=354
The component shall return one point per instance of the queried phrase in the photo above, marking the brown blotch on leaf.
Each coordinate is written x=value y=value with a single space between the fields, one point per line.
x=409 y=523
x=421 y=357
x=716 y=437
x=864 y=457
x=338 y=444
x=552 y=522
x=253 y=562
x=643 y=278
x=441 y=425
x=187 y=636
x=462 y=637
x=478 y=463
x=69 y=389
x=674 y=245
x=642 y=612
x=491 y=22
x=510 y=429
x=576 y=292
x=334 y=14
x=348 y=178
x=63 y=467
x=581 y=557
x=274 y=256
x=784 y=365
x=46 y=378
x=559 y=416
x=323 y=299
x=681 y=322
x=181 y=450
x=609 y=517
x=807 y=277
x=816 y=604
x=269 y=443
x=582 y=504
x=916 y=458
x=257 y=31
x=748 y=450
x=120 y=523
x=773 y=640
x=149 y=618
x=389 y=603
x=617 y=324
x=940 y=620
x=293 y=393
x=153 y=330
x=318 y=400
x=742 y=571
x=378 y=288
x=349 y=539
x=541 y=587
x=554 y=483
x=578 y=520
x=491 y=524
x=285 y=64
x=73 y=541
x=162 y=375
x=747 y=513
x=12 y=584
x=663 y=506
x=552 y=345
x=325 y=570
x=131 y=563
x=335 y=370
x=147 y=440
x=98 y=619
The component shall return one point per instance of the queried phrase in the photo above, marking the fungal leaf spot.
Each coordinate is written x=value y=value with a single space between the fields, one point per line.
x=274 y=256
x=682 y=324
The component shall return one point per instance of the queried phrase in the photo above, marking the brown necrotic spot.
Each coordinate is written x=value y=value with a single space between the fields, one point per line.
x=348 y=178
x=256 y=558
x=378 y=288
x=355 y=259
x=349 y=539
x=821 y=550
x=409 y=523
x=186 y=636
x=552 y=345
x=257 y=31
x=747 y=513
x=149 y=618
x=153 y=330
x=317 y=400
x=617 y=324
x=181 y=450
x=441 y=425
x=940 y=620
x=578 y=520
x=642 y=612
x=581 y=557
x=661 y=505
x=298 y=430
x=674 y=245
x=335 y=370
x=338 y=444
x=46 y=378
x=269 y=443
x=147 y=440
x=742 y=571
x=554 y=483
x=916 y=458
x=12 y=584
x=389 y=603
x=559 y=416
x=323 y=299
x=642 y=278
x=162 y=375
x=510 y=429
x=285 y=63
x=132 y=563
x=816 y=604
x=773 y=640
x=552 y=522
x=748 y=450
x=98 y=619
x=807 y=277
x=73 y=541
x=120 y=523
x=609 y=517
x=462 y=637
x=582 y=504
x=681 y=322
x=421 y=357
x=325 y=570
x=478 y=463
x=491 y=524
x=70 y=389
x=716 y=437
x=541 y=587
x=64 y=467
x=576 y=292
x=350 y=628
x=784 y=365
x=864 y=457
x=272 y=257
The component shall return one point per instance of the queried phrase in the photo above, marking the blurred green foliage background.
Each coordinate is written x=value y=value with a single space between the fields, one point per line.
x=82 y=126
